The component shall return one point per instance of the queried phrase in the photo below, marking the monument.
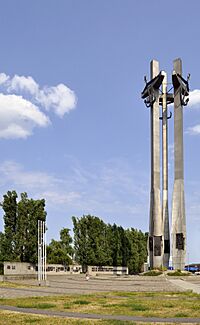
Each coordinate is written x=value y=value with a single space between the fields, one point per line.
x=159 y=234
x=181 y=91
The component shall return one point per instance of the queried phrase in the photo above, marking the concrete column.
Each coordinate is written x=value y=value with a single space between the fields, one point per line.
x=155 y=224
x=178 y=201
x=165 y=211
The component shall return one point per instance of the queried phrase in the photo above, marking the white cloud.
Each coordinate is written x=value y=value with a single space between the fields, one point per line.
x=102 y=191
x=3 y=78
x=194 y=102
x=36 y=183
x=18 y=117
x=194 y=98
x=60 y=99
x=22 y=101
x=194 y=130
x=14 y=173
x=60 y=198
x=21 y=84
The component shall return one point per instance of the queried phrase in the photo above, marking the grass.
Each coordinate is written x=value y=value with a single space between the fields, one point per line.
x=182 y=304
x=8 y=318
x=36 y=305
x=178 y=273
x=8 y=284
x=81 y=302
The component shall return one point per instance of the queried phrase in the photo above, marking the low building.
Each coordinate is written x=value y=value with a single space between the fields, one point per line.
x=18 y=268
x=30 y=270
x=108 y=270
x=62 y=269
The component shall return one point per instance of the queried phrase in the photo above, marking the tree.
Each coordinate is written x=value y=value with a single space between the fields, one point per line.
x=60 y=252
x=20 y=227
x=133 y=260
x=9 y=206
x=142 y=249
x=2 y=247
x=97 y=243
x=115 y=245
x=66 y=241
x=80 y=242
x=91 y=241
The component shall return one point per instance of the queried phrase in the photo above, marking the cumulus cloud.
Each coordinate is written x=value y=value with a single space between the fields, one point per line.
x=18 y=117
x=22 y=101
x=21 y=84
x=194 y=102
x=194 y=98
x=60 y=98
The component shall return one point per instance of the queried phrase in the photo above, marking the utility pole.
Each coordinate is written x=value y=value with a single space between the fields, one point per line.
x=41 y=252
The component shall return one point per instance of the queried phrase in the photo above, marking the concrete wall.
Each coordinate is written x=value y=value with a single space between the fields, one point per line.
x=15 y=268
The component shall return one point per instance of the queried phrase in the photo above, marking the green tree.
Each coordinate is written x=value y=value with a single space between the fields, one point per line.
x=133 y=260
x=97 y=243
x=9 y=206
x=91 y=241
x=20 y=227
x=80 y=241
x=60 y=252
x=142 y=249
x=115 y=245
x=2 y=247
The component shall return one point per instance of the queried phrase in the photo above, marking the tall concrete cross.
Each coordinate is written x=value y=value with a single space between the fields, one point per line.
x=165 y=210
x=159 y=235
x=155 y=240
x=178 y=201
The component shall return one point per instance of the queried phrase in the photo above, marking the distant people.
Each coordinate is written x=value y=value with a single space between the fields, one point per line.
x=87 y=277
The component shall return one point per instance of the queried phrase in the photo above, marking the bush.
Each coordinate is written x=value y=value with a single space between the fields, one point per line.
x=152 y=273
x=178 y=273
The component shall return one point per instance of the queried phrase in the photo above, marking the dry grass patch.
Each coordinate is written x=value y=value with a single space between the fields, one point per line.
x=13 y=318
x=8 y=284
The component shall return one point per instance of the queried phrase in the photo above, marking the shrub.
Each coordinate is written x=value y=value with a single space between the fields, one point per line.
x=152 y=273
x=178 y=273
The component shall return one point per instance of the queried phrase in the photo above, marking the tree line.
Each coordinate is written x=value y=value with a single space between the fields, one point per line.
x=98 y=243
x=94 y=242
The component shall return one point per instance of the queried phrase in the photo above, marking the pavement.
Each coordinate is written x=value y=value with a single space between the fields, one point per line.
x=186 y=285
x=61 y=285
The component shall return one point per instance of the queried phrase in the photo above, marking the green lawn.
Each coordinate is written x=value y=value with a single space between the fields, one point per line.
x=184 y=304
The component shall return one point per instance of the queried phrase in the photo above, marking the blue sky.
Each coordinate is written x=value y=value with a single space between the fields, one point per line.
x=73 y=128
